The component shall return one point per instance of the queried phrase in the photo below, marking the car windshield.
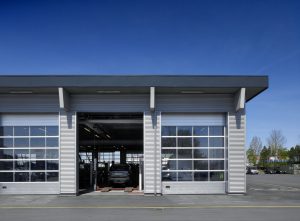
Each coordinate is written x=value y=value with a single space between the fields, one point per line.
x=119 y=168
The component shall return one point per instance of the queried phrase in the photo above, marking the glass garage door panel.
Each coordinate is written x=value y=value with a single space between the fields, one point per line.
x=193 y=147
x=29 y=148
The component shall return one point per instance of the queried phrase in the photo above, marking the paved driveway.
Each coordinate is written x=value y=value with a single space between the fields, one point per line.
x=269 y=197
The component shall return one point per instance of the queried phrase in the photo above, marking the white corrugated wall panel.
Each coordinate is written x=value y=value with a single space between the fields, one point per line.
x=68 y=153
x=110 y=103
x=236 y=152
x=152 y=173
x=23 y=103
x=210 y=103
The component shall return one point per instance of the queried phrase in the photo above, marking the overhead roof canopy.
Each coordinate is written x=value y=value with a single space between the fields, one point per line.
x=166 y=84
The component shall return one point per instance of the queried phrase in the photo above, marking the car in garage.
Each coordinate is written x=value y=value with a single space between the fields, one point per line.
x=120 y=174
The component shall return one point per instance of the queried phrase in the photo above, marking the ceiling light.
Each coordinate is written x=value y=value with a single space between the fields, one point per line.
x=108 y=92
x=192 y=92
x=20 y=92
x=87 y=130
x=108 y=136
x=96 y=136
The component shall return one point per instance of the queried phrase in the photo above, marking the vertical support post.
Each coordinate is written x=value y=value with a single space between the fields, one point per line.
x=240 y=99
x=154 y=123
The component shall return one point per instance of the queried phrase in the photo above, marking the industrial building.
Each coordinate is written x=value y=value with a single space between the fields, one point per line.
x=182 y=134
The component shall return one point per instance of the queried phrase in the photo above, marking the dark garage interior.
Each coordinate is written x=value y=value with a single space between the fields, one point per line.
x=110 y=151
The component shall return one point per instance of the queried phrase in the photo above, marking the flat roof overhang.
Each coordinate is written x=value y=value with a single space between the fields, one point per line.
x=124 y=84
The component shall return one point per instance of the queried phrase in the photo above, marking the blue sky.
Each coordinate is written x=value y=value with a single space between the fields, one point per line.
x=164 y=37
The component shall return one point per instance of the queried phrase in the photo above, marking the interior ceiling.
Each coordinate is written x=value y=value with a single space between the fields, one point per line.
x=110 y=132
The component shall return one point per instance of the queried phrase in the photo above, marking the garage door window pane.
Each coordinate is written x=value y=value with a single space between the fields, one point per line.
x=51 y=154
x=37 y=131
x=52 y=130
x=200 y=164
x=37 y=177
x=170 y=165
x=201 y=176
x=21 y=131
x=52 y=176
x=184 y=142
x=201 y=131
x=21 y=176
x=21 y=154
x=51 y=142
x=37 y=142
x=185 y=164
x=216 y=153
x=37 y=154
x=6 y=165
x=22 y=165
x=37 y=165
x=168 y=131
x=6 y=177
x=52 y=164
x=216 y=164
x=6 y=154
x=168 y=142
x=216 y=142
x=216 y=176
x=184 y=131
x=200 y=142
x=185 y=153
x=200 y=153
x=6 y=142
x=185 y=176
x=6 y=131
x=216 y=131
x=21 y=142
x=169 y=176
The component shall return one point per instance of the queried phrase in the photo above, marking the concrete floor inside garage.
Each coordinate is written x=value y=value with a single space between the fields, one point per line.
x=108 y=143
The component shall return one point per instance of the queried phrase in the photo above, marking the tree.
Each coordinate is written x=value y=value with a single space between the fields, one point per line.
x=283 y=154
x=256 y=145
x=294 y=154
x=251 y=156
x=264 y=156
x=276 y=141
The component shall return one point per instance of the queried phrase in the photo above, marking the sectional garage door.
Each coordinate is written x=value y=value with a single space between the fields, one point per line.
x=193 y=153
x=29 y=153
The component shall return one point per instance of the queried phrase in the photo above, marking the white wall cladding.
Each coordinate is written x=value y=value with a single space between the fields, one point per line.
x=193 y=119
x=68 y=153
x=110 y=103
x=236 y=152
x=29 y=103
x=193 y=187
x=29 y=119
x=194 y=103
x=29 y=188
x=152 y=156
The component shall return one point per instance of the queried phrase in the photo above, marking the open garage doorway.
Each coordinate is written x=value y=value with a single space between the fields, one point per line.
x=110 y=152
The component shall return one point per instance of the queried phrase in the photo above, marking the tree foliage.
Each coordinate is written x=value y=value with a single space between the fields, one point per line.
x=256 y=145
x=276 y=141
x=264 y=156
x=294 y=154
x=251 y=156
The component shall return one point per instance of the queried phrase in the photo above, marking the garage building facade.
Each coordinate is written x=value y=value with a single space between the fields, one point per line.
x=193 y=130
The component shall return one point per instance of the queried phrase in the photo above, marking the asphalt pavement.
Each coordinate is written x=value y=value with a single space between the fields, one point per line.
x=269 y=197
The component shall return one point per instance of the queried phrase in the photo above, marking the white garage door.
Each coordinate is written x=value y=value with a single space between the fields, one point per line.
x=29 y=153
x=193 y=153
